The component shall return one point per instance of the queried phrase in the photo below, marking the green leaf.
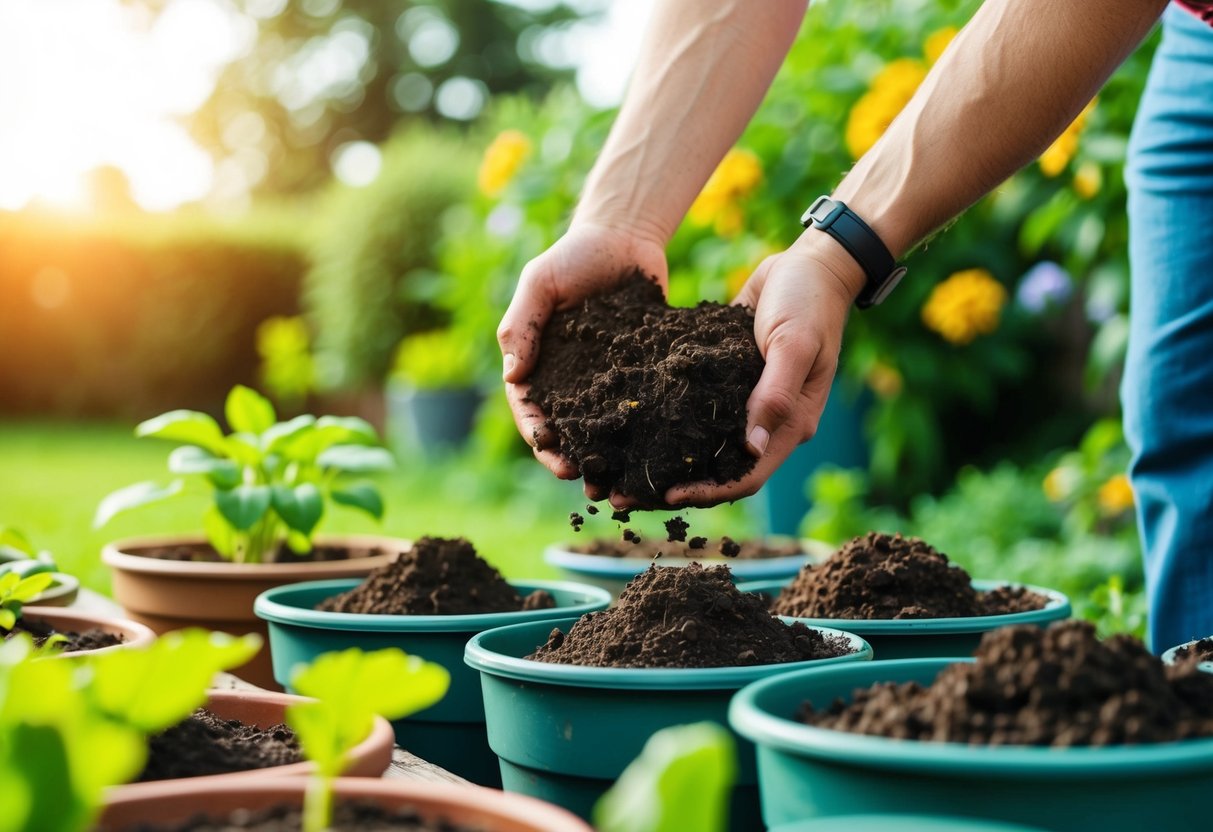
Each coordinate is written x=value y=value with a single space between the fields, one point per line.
x=298 y=543
x=244 y=448
x=14 y=539
x=188 y=426
x=30 y=587
x=190 y=459
x=248 y=411
x=356 y=458
x=360 y=495
x=351 y=429
x=278 y=436
x=133 y=496
x=243 y=505
x=8 y=617
x=681 y=780
x=300 y=507
x=219 y=532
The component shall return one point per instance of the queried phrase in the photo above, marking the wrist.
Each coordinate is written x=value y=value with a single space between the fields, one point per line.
x=829 y=255
x=633 y=229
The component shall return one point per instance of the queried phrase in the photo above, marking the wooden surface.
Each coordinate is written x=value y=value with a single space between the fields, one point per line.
x=404 y=766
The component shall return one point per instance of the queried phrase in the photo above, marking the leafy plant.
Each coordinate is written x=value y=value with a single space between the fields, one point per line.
x=681 y=780
x=436 y=360
x=15 y=591
x=18 y=555
x=350 y=688
x=269 y=480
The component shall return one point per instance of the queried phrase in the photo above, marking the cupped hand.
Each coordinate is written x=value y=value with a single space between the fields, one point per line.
x=591 y=258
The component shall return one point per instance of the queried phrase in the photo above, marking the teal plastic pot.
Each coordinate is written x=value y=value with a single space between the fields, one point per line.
x=450 y=734
x=902 y=823
x=1169 y=656
x=564 y=733
x=807 y=772
x=925 y=638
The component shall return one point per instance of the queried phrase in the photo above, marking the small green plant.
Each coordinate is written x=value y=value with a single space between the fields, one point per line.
x=269 y=480
x=681 y=780
x=18 y=555
x=350 y=688
x=15 y=591
x=438 y=360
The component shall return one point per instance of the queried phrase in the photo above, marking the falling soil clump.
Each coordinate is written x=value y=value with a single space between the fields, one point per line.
x=630 y=536
x=437 y=576
x=94 y=638
x=1197 y=651
x=348 y=816
x=729 y=547
x=1059 y=686
x=695 y=548
x=621 y=516
x=880 y=576
x=676 y=529
x=688 y=616
x=591 y=509
x=205 y=743
x=576 y=521
x=697 y=542
x=643 y=396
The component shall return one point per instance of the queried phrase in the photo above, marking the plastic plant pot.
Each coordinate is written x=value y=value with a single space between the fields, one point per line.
x=450 y=734
x=564 y=733
x=901 y=823
x=925 y=638
x=1170 y=658
x=807 y=772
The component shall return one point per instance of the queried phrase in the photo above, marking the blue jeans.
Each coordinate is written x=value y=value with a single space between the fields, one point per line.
x=1168 y=383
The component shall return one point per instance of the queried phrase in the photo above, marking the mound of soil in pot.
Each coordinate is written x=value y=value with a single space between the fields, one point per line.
x=1197 y=651
x=688 y=616
x=205 y=553
x=1059 y=686
x=880 y=576
x=94 y=638
x=438 y=576
x=648 y=549
x=644 y=396
x=208 y=744
x=352 y=816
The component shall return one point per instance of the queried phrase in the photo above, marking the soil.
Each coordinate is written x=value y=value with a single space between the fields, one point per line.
x=437 y=576
x=676 y=529
x=880 y=576
x=696 y=547
x=205 y=744
x=351 y=816
x=691 y=616
x=204 y=553
x=576 y=521
x=643 y=396
x=93 y=638
x=1059 y=686
x=1197 y=651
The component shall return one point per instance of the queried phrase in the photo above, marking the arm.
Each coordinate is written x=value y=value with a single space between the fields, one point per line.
x=1010 y=83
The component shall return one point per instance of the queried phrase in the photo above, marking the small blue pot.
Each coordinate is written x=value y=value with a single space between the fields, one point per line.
x=450 y=734
x=1169 y=656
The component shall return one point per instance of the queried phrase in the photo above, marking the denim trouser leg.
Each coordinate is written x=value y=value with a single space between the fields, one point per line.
x=1168 y=383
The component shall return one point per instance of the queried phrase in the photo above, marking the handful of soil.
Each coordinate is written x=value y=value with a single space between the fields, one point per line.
x=1058 y=687
x=648 y=549
x=205 y=744
x=644 y=396
x=438 y=576
x=686 y=616
x=880 y=576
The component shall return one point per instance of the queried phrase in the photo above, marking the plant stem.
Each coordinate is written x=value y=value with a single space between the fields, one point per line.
x=318 y=804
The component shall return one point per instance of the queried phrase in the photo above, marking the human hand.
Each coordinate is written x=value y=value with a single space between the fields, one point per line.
x=589 y=259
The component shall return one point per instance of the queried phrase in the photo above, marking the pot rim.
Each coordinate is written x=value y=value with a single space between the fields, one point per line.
x=115 y=555
x=137 y=635
x=1168 y=656
x=484 y=658
x=274 y=605
x=749 y=716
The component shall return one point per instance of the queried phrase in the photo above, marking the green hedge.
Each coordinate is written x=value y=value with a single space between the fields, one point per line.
x=127 y=319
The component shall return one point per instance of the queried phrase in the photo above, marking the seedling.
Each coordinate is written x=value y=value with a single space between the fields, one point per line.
x=16 y=590
x=18 y=555
x=350 y=688
x=269 y=480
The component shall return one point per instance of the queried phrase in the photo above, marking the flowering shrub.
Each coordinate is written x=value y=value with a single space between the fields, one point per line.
x=967 y=304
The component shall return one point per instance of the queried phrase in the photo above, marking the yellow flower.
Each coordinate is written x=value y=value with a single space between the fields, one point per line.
x=885 y=380
x=937 y=42
x=1055 y=158
x=501 y=161
x=1087 y=180
x=735 y=178
x=891 y=90
x=967 y=304
x=1115 y=496
x=1059 y=484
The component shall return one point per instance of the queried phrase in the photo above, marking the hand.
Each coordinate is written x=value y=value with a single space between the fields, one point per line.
x=800 y=299
x=587 y=260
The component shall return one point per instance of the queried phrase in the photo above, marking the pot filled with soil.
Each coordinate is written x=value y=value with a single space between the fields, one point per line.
x=568 y=708
x=169 y=583
x=85 y=633
x=275 y=805
x=1199 y=653
x=1044 y=726
x=906 y=599
x=429 y=602
x=901 y=823
x=240 y=735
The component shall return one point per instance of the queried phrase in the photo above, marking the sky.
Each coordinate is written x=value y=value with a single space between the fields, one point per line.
x=90 y=83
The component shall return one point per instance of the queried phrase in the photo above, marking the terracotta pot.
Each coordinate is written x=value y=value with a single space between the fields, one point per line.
x=169 y=595
x=474 y=806
x=133 y=633
x=370 y=758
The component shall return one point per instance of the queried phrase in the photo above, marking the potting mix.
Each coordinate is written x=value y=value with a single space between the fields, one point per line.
x=696 y=547
x=881 y=576
x=94 y=638
x=205 y=743
x=347 y=817
x=1197 y=651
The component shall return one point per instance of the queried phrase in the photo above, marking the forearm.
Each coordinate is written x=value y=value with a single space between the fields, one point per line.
x=1006 y=87
x=704 y=68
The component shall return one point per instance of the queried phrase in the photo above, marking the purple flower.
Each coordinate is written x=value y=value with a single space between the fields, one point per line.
x=1044 y=286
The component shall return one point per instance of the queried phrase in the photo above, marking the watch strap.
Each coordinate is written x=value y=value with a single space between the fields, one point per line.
x=856 y=236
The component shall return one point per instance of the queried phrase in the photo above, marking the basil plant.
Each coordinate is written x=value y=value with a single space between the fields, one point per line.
x=269 y=481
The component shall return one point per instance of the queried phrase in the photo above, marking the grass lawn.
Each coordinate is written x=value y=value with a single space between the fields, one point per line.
x=52 y=475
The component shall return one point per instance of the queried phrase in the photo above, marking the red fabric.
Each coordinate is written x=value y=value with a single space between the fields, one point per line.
x=1201 y=8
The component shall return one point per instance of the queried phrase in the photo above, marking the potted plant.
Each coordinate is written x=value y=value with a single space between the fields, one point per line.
x=270 y=485
x=18 y=555
x=63 y=631
x=432 y=397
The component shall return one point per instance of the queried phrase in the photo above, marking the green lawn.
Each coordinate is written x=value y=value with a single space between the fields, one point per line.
x=53 y=475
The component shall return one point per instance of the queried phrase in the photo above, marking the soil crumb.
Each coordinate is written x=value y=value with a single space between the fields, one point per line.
x=205 y=743
x=437 y=576
x=1059 y=686
x=576 y=521
x=695 y=548
x=688 y=616
x=698 y=542
x=729 y=547
x=351 y=816
x=676 y=529
x=591 y=509
x=880 y=576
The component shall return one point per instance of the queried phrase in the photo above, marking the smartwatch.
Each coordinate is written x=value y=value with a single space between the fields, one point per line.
x=844 y=225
